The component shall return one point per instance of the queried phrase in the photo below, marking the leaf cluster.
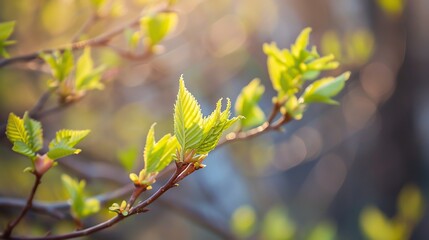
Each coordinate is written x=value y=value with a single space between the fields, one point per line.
x=81 y=206
x=198 y=135
x=73 y=84
x=290 y=69
x=26 y=135
x=194 y=137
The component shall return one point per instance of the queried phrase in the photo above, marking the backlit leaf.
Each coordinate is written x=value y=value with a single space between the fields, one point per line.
x=156 y=27
x=87 y=77
x=15 y=129
x=6 y=29
x=187 y=119
x=246 y=104
x=35 y=134
x=324 y=89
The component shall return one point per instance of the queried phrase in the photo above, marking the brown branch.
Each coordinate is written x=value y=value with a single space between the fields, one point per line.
x=93 y=42
x=86 y=26
x=267 y=126
x=12 y=225
x=172 y=182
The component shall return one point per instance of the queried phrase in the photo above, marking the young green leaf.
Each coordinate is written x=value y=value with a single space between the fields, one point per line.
x=187 y=120
x=323 y=63
x=71 y=137
x=157 y=27
x=23 y=149
x=294 y=107
x=87 y=77
x=246 y=104
x=324 y=89
x=15 y=129
x=61 y=63
x=35 y=134
x=64 y=142
x=301 y=43
x=80 y=206
x=6 y=29
x=61 y=149
x=276 y=65
x=213 y=127
x=19 y=136
x=194 y=133
x=157 y=155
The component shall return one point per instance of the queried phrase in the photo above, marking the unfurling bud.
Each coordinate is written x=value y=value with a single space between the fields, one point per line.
x=42 y=164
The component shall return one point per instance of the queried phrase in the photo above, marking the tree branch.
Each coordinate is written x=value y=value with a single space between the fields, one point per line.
x=27 y=207
x=172 y=182
x=93 y=42
x=267 y=126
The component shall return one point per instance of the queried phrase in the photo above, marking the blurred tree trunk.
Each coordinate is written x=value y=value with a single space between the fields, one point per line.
x=395 y=154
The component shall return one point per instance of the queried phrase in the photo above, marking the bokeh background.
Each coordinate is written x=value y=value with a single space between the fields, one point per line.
x=336 y=174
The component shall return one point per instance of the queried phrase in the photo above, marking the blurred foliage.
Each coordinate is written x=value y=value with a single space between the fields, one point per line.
x=214 y=42
x=246 y=104
x=353 y=48
x=377 y=226
x=6 y=30
x=243 y=221
x=391 y=7
x=81 y=206
x=156 y=27
x=72 y=87
x=290 y=69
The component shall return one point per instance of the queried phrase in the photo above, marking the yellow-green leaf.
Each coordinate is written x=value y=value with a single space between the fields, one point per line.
x=246 y=104
x=15 y=129
x=87 y=77
x=187 y=119
x=156 y=27
x=35 y=134
x=80 y=206
x=6 y=29
x=301 y=42
x=324 y=89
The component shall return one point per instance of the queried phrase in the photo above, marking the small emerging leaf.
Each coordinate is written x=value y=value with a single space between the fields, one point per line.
x=246 y=104
x=35 y=134
x=80 y=206
x=87 y=78
x=301 y=42
x=158 y=26
x=323 y=90
x=61 y=63
x=23 y=149
x=157 y=155
x=6 y=29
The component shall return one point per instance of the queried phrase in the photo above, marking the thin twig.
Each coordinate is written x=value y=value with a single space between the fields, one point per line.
x=40 y=103
x=135 y=210
x=27 y=207
x=56 y=209
x=267 y=126
x=93 y=42
x=86 y=26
